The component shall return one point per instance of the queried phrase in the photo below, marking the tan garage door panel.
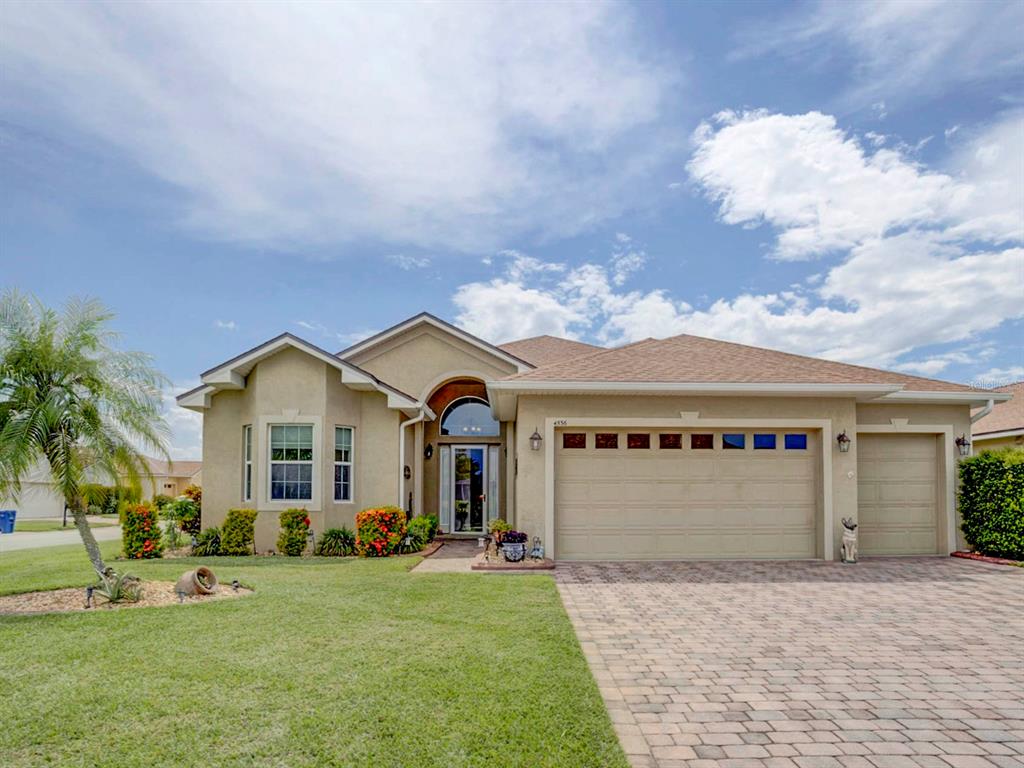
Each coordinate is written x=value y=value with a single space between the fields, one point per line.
x=654 y=504
x=897 y=494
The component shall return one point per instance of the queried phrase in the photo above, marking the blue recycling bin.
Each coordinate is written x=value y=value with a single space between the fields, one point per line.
x=7 y=520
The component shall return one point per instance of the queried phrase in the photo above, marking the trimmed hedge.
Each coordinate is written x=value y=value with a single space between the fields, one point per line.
x=294 y=526
x=236 y=535
x=992 y=503
x=141 y=534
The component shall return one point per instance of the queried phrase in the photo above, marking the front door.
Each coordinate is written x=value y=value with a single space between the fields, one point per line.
x=469 y=489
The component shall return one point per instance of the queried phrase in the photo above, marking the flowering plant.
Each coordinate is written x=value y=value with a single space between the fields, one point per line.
x=141 y=535
x=379 y=531
x=294 y=529
x=514 y=537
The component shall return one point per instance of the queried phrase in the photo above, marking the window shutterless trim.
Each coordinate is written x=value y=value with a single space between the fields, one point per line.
x=247 y=462
x=350 y=464
x=272 y=462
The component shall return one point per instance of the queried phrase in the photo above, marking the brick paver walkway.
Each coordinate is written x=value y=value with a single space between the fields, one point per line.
x=890 y=663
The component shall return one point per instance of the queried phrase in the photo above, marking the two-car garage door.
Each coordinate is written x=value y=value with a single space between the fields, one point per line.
x=663 y=495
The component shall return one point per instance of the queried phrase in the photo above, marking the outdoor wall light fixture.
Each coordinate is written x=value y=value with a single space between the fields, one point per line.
x=428 y=451
x=844 y=442
x=963 y=445
x=535 y=440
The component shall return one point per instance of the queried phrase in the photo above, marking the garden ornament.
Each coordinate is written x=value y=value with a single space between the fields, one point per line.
x=537 y=552
x=849 y=548
x=201 y=581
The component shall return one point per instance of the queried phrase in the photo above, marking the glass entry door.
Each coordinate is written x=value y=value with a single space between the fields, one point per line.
x=469 y=489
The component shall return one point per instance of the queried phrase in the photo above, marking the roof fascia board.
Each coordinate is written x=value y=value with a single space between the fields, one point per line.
x=718 y=388
x=521 y=365
x=945 y=398
x=999 y=434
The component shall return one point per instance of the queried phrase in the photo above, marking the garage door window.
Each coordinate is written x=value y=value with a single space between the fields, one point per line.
x=574 y=440
x=796 y=442
x=638 y=440
x=607 y=440
x=734 y=441
x=669 y=442
x=702 y=442
x=764 y=442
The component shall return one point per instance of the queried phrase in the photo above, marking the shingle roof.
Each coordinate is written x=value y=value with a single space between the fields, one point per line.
x=693 y=359
x=542 y=350
x=1004 y=416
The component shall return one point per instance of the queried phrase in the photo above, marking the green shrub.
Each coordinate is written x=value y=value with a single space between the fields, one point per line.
x=173 y=538
x=184 y=512
x=419 y=532
x=238 y=531
x=95 y=495
x=194 y=494
x=119 y=588
x=291 y=540
x=379 y=531
x=336 y=542
x=207 y=543
x=992 y=503
x=434 y=524
x=140 y=532
x=161 y=500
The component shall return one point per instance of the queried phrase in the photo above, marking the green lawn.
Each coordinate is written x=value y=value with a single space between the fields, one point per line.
x=38 y=526
x=331 y=663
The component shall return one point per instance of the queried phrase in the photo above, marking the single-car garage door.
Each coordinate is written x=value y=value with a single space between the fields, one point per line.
x=897 y=494
x=663 y=495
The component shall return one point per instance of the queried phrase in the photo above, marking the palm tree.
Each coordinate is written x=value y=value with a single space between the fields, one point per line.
x=70 y=399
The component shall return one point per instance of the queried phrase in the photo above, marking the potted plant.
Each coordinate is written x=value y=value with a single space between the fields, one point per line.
x=498 y=528
x=513 y=546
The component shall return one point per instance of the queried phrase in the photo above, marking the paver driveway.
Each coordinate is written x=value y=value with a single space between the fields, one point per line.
x=890 y=663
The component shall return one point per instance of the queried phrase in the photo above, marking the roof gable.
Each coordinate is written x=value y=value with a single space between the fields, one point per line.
x=425 y=318
x=231 y=374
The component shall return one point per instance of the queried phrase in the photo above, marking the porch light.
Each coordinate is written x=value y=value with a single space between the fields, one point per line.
x=535 y=440
x=964 y=445
x=844 y=442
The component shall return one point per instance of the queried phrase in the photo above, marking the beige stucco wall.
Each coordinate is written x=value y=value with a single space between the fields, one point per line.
x=841 y=413
x=293 y=387
x=998 y=443
x=418 y=358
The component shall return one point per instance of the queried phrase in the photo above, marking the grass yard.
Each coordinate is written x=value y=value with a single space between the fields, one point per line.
x=39 y=526
x=331 y=663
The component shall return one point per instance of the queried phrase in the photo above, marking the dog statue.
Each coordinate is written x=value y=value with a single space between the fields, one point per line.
x=849 y=549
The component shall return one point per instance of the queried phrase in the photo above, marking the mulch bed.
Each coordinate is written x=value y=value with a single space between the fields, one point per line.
x=154 y=593
x=986 y=559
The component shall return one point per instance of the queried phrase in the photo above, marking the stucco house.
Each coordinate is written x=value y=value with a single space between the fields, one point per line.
x=1003 y=427
x=170 y=478
x=676 y=448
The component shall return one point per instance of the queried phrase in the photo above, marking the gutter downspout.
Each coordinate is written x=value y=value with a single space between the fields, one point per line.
x=401 y=454
x=984 y=411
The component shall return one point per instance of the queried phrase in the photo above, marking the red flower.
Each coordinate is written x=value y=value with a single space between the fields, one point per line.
x=307 y=522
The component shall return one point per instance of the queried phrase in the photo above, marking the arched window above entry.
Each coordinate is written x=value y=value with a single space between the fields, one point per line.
x=469 y=417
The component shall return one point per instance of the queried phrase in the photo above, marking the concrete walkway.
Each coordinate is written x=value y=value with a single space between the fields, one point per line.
x=10 y=542
x=890 y=663
x=454 y=557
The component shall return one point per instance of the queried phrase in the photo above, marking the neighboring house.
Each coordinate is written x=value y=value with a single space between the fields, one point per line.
x=1004 y=426
x=170 y=478
x=664 y=449
x=37 y=498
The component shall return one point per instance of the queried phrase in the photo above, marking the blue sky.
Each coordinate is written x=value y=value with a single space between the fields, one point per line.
x=834 y=179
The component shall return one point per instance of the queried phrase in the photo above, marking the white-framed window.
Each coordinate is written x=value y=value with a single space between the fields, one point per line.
x=291 y=462
x=343 y=463
x=247 y=462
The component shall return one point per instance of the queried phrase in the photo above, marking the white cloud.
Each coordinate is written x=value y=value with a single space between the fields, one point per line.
x=900 y=51
x=460 y=125
x=915 y=269
x=1000 y=377
x=345 y=338
x=226 y=325
x=408 y=263
x=186 y=427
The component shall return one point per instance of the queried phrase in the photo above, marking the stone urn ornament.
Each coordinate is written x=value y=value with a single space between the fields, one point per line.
x=849 y=548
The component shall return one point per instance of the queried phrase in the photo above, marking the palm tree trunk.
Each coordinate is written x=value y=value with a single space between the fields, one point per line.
x=91 y=547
